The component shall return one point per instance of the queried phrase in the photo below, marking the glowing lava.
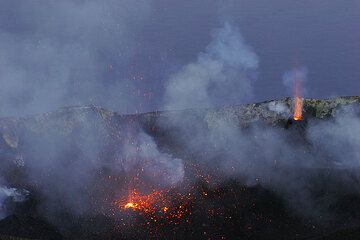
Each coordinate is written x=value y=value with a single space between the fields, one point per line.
x=131 y=205
x=298 y=104
x=143 y=203
x=158 y=206
x=163 y=206
x=298 y=101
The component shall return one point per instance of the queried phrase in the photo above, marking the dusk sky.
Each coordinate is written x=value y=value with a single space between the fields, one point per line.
x=120 y=54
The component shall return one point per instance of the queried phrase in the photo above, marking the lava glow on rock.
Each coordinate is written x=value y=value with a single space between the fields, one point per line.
x=163 y=206
x=157 y=206
x=143 y=203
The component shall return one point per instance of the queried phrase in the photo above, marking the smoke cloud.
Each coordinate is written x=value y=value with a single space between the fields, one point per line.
x=42 y=68
x=75 y=53
x=60 y=53
x=68 y=156
x=223 y=74
x=159 y=168
x=281 y=160
x=339 y=139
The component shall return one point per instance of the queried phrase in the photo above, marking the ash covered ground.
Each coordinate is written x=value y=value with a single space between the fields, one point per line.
x=239 y=172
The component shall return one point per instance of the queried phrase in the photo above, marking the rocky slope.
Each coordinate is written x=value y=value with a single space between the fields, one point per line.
x=88 y=139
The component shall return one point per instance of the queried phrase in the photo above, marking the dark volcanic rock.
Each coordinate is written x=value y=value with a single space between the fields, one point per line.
x=249 y=212
x=28 y=227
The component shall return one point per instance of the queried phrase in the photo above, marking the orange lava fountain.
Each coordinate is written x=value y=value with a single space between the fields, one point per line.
x=298 y=101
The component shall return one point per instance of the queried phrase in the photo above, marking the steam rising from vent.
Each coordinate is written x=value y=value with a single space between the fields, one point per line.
x=223 y=74
x=279 y=108
x=159 y=168
x=339 y=139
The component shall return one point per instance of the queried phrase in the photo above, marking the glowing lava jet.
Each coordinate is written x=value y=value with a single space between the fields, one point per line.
x=298 y=101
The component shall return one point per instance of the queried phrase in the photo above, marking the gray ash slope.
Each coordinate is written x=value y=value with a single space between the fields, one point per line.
x=93 y=120
x=67 y=119
x=64 y=159
x=272 y=112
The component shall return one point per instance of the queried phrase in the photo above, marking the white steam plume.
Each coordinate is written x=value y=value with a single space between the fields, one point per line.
x=57 y=53
x=339 y=139
x=221 y=75
x=258 y=154
x=161 y=168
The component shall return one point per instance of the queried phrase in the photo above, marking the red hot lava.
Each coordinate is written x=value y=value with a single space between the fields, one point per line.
x=298 y=101
x=158 y=205
x=164 y=206
x=149 y=203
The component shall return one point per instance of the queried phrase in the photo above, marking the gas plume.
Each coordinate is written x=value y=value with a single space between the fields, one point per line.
x=258 y=154
x=223 y=74
x=61 y=53
x=71 y=164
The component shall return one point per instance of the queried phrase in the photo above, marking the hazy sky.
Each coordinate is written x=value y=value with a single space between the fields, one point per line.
x=120 y=53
